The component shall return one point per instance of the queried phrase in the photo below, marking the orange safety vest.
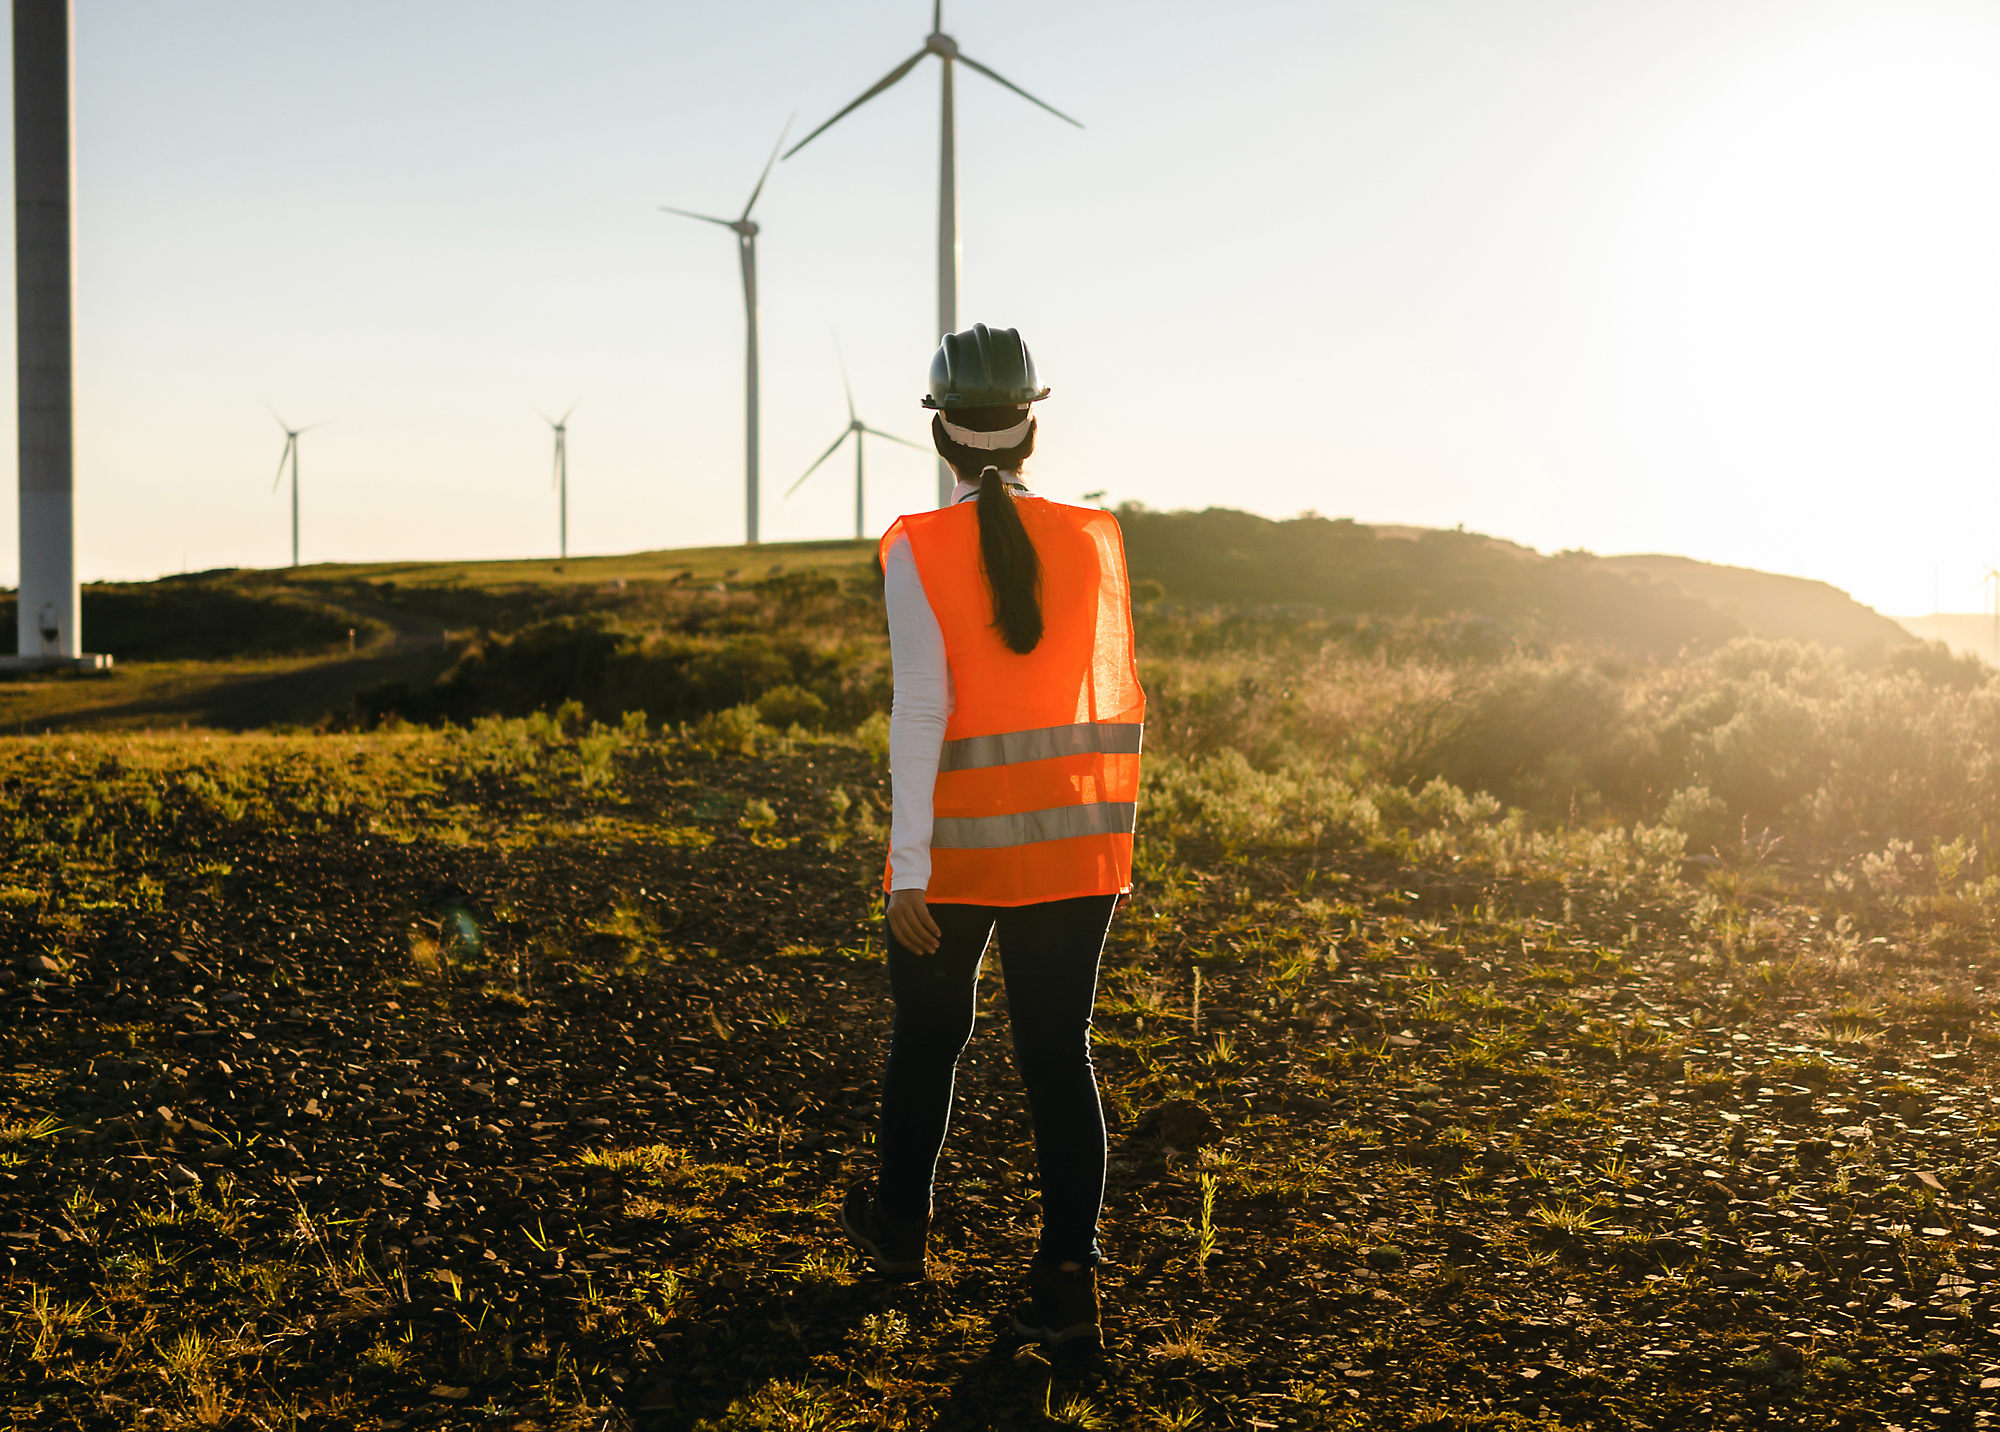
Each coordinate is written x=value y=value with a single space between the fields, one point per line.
x=1038 y=783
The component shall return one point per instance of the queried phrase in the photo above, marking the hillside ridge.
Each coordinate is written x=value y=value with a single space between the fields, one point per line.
x=245 y=647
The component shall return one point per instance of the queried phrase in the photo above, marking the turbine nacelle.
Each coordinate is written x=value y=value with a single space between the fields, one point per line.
x=941 y=45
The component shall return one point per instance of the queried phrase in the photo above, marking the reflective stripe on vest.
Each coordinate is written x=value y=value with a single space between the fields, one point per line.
x=992 y=832
x=976 y=753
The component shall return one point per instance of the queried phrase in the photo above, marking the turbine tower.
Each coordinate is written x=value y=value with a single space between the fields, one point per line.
x=561 y=426
x=745 y=229
x=946 y=49
x=291 y=455
x=855 y=429
x=49 y=613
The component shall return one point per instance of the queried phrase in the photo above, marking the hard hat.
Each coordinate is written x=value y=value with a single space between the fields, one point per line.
x=982 y=368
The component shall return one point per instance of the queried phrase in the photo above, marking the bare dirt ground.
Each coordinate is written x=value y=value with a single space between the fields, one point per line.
x=511 y=1079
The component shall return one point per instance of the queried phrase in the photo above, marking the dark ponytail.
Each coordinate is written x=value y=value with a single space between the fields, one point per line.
x=1013 y=567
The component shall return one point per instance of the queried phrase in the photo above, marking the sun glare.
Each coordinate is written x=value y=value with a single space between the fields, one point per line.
x=1810 y=301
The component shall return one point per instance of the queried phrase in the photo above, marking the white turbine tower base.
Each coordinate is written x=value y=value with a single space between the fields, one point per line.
x=946 y=49
x=49 y=606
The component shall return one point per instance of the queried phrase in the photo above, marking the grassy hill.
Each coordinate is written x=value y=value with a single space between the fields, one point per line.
x=1770 y=605
x=681 y=633
x=1644 y=605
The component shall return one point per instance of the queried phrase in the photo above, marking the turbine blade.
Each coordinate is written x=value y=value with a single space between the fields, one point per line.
x=571 y=409
x=999 y=79
x=873 y=90
x=767 y=166
x=877 y=432
x=937 y=16
x=691 y=214
x=846 y=387
x=816 y=462
x=283 y=458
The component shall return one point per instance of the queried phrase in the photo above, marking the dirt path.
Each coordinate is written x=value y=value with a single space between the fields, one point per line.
x=231 y=695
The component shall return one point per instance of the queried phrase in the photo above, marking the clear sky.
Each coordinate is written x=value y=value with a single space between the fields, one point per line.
x=1715 y=277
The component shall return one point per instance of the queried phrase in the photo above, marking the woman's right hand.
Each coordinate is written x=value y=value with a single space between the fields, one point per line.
x=911 y=923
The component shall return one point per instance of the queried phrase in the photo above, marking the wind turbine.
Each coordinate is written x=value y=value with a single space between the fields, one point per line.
x=855 y=429
x=745 y=229
x=291 y=455
x=561 y=425
x=946 y=49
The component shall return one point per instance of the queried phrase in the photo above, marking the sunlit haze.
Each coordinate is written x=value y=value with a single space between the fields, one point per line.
x=1661 y=276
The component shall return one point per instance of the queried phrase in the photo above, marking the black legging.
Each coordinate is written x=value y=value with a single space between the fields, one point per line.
x=1049 y=955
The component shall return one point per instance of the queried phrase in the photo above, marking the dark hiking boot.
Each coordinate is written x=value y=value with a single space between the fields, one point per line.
x=894 y=1246
x=1061 y=1309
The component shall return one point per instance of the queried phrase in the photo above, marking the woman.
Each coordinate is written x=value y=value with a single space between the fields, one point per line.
x=1014 y=763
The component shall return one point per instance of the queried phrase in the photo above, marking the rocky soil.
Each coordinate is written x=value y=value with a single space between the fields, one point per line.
x=534 y=1113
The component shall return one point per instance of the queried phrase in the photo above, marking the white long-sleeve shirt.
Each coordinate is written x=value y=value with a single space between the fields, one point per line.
x=923 y=704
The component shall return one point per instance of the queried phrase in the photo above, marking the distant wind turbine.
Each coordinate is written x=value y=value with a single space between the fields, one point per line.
x=946 y=49
x=855 y=429
x=745 y=229
x=561 y=425
x=291 y=455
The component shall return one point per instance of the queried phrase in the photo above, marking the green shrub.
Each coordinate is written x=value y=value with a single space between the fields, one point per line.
x=1700 y=815
x=738 y=731
x=786 y=706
